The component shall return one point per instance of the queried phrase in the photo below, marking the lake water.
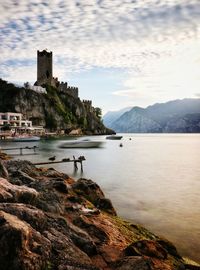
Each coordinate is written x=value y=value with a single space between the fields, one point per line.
x=153 y=180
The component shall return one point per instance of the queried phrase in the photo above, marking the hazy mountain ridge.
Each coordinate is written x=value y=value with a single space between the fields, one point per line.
x=173 y=116
x=111 y=116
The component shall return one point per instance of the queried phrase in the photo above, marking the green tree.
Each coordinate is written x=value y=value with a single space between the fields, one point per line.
x=98 y=112
x=51 y=122
x=26 y=85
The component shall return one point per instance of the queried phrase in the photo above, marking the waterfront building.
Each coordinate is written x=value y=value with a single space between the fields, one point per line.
x=17 y=123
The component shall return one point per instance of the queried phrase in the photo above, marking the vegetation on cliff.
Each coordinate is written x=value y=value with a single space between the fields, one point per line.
x=50 y=221
x=54 y=110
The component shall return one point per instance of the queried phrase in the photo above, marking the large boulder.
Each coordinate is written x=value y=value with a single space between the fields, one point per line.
x=146 y=247
x=89 y=189
x=105 y=204
x=28 y=213
x=14 y=193
x=22 y=165
x=93 y=193
x=96 y=233
x=22 y=248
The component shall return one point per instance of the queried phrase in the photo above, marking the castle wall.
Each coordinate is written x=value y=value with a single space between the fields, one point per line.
x=69 y=90
x=88 y=105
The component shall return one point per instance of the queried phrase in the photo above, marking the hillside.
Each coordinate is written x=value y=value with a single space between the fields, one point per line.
x=182 y=116
x=53 y=110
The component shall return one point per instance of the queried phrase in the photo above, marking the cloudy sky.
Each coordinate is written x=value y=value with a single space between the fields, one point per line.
x=118 y=52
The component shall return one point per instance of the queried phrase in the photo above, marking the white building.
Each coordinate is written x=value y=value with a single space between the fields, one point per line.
x=38 y=89
x=18 y=123
x=14 y=120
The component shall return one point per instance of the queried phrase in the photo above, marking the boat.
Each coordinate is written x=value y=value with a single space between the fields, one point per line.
x=25 y=139
x=81 y=143
x=114 y=137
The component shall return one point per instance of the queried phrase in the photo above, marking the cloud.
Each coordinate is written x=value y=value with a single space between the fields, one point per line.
x=140 y=36
x=166 y=78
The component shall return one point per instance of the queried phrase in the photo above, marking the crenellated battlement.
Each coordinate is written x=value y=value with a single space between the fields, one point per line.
x=44 y=53
x=87 y=102
x=88 y=105
x=70 y=90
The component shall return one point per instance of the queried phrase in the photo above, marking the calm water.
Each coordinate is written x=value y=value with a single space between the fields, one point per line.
x=153 y=180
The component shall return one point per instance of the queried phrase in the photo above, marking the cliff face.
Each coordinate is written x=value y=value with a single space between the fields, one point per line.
x=53 y=110
x=50 y=221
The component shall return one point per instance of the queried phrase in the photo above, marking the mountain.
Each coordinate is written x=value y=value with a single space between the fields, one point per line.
x=111 y=116
x=174 y=116
x=54 y=110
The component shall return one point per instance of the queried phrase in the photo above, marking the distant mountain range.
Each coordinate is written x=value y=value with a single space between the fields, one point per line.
x=112 y=116
x=181 y=116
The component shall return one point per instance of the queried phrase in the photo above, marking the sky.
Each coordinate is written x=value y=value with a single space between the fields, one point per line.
x=119 y=53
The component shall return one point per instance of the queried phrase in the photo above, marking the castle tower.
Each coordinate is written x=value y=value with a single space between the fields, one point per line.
x=44 y=67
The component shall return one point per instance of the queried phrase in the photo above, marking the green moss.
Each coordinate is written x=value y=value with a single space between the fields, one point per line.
x=125 y=228
x=83 y=122
x=189 y=261
x=131 y=231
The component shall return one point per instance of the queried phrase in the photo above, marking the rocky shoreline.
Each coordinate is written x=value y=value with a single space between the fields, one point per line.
x=49 y=221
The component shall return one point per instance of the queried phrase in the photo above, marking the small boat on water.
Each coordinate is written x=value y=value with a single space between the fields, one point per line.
x=81 y=143
x=25 y=139
x=114 y=137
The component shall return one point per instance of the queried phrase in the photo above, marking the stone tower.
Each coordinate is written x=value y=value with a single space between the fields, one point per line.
x=44 y=67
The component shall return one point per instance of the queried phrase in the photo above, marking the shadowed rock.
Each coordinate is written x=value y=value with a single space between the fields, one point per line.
x=3 y=170
x=105 y=204
x=21 y=178
x=60 y=186
x=88 y=189
x=146 y=247
x=97 y=234
x=33 y=216
x=21 y=246
x=133 y=263
x=171 y=249
x=92 y=192
x=13 y=193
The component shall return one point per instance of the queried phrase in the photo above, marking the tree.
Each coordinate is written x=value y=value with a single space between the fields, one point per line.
x=26 y=85
x=98 y=112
